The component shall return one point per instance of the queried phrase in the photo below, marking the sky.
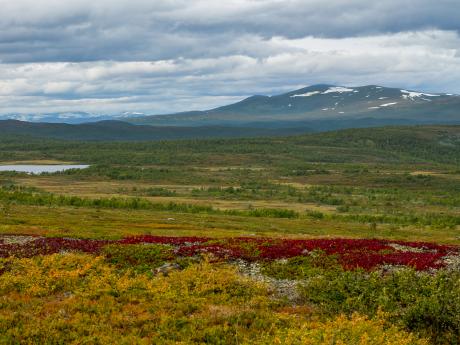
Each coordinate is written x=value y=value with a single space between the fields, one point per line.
x=164 y=56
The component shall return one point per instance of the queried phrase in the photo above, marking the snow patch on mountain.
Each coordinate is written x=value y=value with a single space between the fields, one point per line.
x=338 y=89
x=307 y=94
x=412 y=94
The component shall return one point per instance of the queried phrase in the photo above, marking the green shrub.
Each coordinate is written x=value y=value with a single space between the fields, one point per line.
x=427 y=303
x=140 y=257
x=301 y=267
x=315 y=214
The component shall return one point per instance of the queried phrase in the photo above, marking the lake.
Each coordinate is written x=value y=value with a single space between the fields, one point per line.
x=38 y=169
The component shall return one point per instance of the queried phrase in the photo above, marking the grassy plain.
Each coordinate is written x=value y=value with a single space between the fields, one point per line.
x=399 y=183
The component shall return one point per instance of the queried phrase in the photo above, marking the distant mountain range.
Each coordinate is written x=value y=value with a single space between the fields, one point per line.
x=323 y=107
x=313 y=108
x=75 y=117
x=123 y=131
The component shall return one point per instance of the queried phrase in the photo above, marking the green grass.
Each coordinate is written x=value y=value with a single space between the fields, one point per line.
x=111 y=224
x=395 y=182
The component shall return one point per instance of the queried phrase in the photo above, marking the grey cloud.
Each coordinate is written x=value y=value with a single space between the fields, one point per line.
x=171 y=55
x=52 y=30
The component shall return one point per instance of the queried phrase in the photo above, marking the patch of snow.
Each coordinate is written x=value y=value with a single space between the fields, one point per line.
x=388 y=104
x=383 y=97
x=289 y=105
x=341 y=112
x=132 y=113
x=412 y=94
x=338 y=89
x=373 y=108
x=324 y=109
x=307 y=94
x=70 y=115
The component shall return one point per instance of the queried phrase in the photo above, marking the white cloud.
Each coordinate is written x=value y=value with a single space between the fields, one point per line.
x=413 y=60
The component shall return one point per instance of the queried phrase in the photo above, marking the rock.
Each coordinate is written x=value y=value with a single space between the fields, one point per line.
x=452 y=262
x=284 y=288
x=166 y=269
x=17 y=239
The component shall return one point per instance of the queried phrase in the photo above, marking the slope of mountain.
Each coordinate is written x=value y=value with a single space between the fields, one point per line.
x=324 y=106
x=123 y=131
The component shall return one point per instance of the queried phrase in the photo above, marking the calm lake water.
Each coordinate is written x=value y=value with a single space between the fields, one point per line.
x=38 y=169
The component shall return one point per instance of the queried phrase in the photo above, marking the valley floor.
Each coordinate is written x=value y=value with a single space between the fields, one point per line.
x=343 y=237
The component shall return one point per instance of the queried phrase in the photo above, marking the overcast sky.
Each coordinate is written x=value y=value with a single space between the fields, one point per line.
x=161 y=56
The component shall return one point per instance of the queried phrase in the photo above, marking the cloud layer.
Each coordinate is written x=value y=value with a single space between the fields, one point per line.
x=164 y=56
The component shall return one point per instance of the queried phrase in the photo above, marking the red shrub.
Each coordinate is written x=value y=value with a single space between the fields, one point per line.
x=351 y=253
x=46 y=246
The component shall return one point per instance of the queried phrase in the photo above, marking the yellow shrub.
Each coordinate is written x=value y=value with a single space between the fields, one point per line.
x=357 y=331
x=79 y=298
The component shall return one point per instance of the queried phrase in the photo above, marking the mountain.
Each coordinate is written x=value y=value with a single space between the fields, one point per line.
x=324 y=107
x=75 y=117
x=317 y=107
x=123 y=131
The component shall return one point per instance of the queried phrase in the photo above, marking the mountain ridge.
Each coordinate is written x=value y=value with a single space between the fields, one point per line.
x=317 y=107
x=323 y=102
x=111 y=130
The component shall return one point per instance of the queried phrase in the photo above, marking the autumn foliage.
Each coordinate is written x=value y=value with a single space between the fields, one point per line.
x=350 y=253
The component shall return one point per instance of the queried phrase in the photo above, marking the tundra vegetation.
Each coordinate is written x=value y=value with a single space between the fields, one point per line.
x=347 y=237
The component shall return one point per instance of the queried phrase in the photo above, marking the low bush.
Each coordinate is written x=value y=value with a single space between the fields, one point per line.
x=357 y=330
x=140 y=257
x=424 y=302
x=80 y=298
